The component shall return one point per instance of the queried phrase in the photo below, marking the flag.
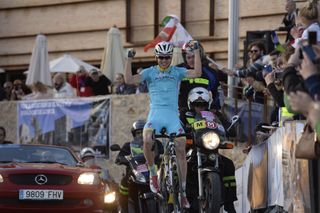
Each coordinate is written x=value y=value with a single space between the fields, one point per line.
x=165 y=34
x=276 y=42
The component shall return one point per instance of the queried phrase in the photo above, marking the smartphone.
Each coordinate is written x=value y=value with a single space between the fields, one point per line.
x=312 y=37
x=267 y=68
x=310 y=52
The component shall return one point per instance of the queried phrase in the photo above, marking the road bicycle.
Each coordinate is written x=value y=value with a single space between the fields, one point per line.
x=169 y=175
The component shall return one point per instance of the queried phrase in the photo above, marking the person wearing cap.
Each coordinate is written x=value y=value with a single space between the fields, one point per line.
x=163 y=82
x=98 y=82
x=77 y=81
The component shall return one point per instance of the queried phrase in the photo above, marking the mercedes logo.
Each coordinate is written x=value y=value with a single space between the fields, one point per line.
x=41 y=179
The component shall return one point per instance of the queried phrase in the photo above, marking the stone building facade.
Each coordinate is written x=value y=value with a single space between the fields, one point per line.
x=79 y=27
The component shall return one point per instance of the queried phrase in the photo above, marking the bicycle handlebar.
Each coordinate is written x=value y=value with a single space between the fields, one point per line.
x=172 y=135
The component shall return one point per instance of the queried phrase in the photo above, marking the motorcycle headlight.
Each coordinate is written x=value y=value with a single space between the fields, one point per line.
x=110 y=197
x=88 y=178
x=1 y=179
x=210 y=140
x=139 y=176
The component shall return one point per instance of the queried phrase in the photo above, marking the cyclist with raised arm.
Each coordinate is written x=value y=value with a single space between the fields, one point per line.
x=163 y=83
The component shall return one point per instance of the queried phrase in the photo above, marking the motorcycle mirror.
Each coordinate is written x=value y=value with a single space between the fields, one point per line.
x=115 y=147
x=234 y=120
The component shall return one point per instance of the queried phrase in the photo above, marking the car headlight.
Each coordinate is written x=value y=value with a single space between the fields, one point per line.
x=110 y=197
x=210 y=140
x=89 y=178
x=1 y=179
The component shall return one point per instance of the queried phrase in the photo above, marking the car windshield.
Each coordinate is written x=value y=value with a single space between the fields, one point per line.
x=36 y=154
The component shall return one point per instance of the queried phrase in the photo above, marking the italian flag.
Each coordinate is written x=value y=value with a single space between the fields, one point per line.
x=165 y=34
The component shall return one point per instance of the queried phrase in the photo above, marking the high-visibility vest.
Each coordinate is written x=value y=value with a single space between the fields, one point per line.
x=284 y=115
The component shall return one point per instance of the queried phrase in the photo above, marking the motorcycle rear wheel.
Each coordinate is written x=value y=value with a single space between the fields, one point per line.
x=212 y=190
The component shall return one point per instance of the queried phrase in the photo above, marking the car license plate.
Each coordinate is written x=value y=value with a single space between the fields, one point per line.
x=30 y=194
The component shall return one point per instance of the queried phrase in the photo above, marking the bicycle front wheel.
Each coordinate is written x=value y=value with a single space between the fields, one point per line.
x=164 y=203
x=176 y=187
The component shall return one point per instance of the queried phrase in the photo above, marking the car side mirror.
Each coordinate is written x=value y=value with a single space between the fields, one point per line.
x=115 y=147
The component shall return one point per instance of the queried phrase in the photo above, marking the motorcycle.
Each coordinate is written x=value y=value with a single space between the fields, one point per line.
x=140 y=198
x=91 y=159
x=204 y=163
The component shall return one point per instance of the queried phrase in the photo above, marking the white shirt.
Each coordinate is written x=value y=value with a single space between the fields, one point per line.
x=66 y=91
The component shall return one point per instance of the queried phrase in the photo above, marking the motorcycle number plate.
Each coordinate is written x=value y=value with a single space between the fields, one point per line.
x=211 y=125
x=199 y=125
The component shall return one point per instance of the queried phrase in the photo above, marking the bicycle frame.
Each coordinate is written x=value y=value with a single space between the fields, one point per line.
x=171 y=167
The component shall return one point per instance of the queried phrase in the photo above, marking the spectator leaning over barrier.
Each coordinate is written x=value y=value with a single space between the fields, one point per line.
x=99 y=83
x=121 y=87
x=77 y=81
x=7 y=86
x=39 y=91
x=61 y=88
x=308 y=15
x=3 y=136
x=19 y=90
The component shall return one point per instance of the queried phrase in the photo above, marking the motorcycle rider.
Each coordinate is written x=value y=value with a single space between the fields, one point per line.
x=209 y=80
x=200 y=99
x=133 y=148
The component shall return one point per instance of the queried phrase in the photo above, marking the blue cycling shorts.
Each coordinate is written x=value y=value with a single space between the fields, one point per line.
x=159 y=118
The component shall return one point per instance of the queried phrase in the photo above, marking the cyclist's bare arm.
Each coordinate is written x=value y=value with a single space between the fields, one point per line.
x=197 y=71
x=128 y=77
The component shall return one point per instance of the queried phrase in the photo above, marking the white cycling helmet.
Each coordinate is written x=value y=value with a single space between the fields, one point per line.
x=163 y=48
x=199 y=95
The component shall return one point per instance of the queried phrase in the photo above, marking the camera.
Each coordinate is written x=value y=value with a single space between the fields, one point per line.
x=278 y=75
x=131 y=53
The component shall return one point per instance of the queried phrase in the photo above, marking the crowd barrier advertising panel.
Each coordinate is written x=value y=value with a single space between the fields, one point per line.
x=75 y=123
x=271 y=175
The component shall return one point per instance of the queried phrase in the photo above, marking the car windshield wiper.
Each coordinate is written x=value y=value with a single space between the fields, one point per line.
x=4 y=161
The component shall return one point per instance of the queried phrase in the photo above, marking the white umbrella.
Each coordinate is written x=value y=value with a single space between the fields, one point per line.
x=39 y=63
x=69 y=63
x=113 y=56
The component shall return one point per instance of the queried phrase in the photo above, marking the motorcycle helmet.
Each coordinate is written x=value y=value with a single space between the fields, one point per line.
x=199 y=95
x=137 y=125
x=187 y=49
x=87 y=153
x=163 y=48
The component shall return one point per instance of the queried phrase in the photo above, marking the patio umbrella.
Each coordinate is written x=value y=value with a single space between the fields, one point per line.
x=69 y=63
x=113 y=56
x=39 y=63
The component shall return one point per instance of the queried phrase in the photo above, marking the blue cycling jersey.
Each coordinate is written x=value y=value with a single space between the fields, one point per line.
x=163 y=91
x=163 y=86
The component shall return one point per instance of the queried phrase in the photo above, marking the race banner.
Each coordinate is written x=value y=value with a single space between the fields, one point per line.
x=76 y=123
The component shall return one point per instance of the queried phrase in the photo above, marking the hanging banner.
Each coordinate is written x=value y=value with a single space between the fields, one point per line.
x=76 y=123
